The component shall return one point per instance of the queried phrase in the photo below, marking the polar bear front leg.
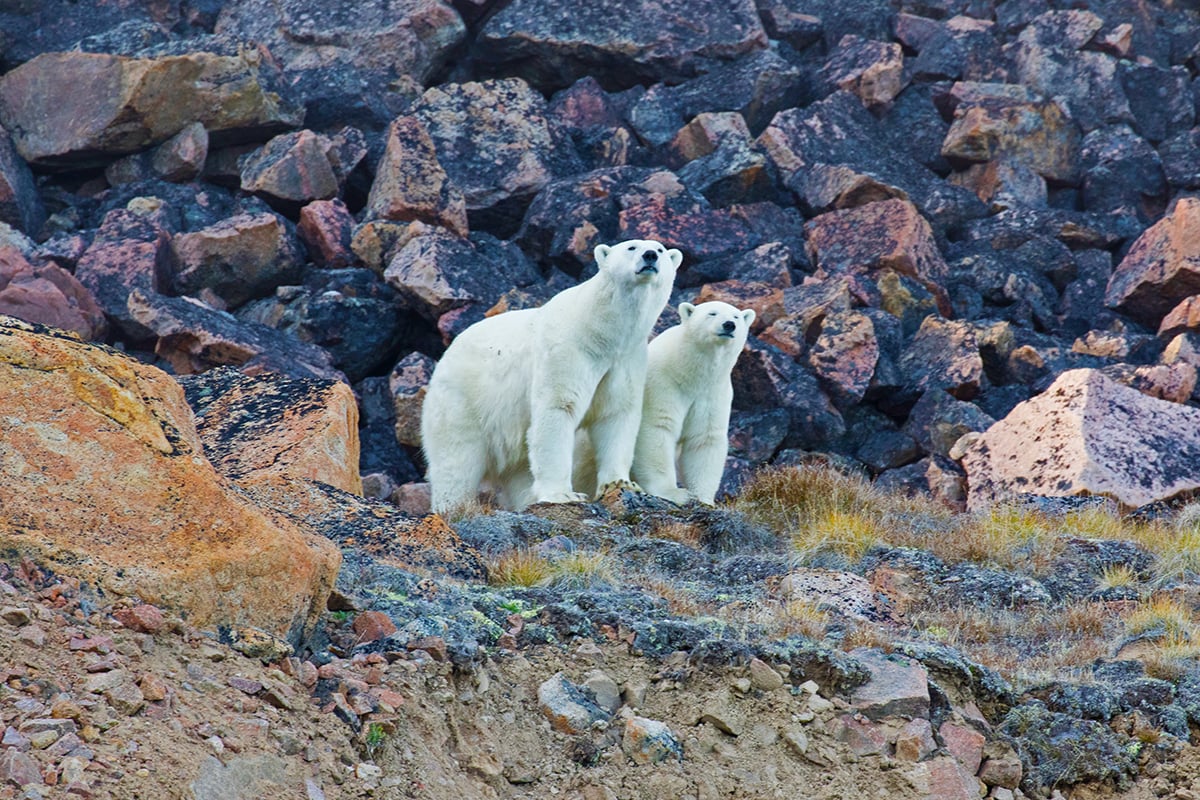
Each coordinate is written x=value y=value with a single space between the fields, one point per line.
x=557 y=403
x=613 y=429
x=702 y=461
x=654 y=456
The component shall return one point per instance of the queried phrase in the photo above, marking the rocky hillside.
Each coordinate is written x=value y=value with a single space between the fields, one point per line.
x=967 y=229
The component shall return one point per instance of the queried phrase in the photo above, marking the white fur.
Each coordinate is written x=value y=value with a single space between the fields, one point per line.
x=505 y=401
x=684 y=435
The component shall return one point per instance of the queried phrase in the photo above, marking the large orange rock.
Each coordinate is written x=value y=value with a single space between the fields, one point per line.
x=105 y=479
x=254 y=426
x=1087 y=435
x=76 y=108
x=1162 y=268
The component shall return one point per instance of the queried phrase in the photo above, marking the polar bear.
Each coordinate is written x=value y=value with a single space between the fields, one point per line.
x=685 y=411
x=505 y=402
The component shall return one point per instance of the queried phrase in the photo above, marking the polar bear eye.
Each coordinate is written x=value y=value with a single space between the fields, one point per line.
x=632 y=247
x=712 y=313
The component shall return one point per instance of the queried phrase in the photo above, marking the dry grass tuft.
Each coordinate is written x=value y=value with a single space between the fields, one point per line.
x=679 y=601
x=1163 y=614
x=581 y=570
x=520 y=568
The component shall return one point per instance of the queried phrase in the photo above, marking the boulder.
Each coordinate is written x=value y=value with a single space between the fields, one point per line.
x=350 y=313
x=77 y=109
x=292 y=169
x=872 y=71
x=1122 y=170
x=626 y=42
x=898 y=686
x=859 y=243
x=1048 y=59
x=117 y=441
x=766 y=378
x=568 y=708
x=991 y=121
x=437 y=272
x=1183 y=318
x=350 y=63
x=130 y=251
x=407 y=384
x=194 y=337
x=1159 y=99
x=238 y=258
x=844 y=356
x=1087 y=435
x=1161 y=268
x=181 y=158
x=258 y=427
x=944 y=355
x=649 y=741
x=48 y=295
x=496 y=143
x=326 y=228
x=410 y=183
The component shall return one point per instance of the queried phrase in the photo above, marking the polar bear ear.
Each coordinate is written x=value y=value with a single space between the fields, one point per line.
x=686 y=310
x=748 y=315
x=601 y=253
x=676 y=257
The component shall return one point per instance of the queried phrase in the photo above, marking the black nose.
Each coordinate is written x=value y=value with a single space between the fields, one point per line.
x=650 y=256
x=729 y=325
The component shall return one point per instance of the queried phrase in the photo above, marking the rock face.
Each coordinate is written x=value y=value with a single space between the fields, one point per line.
x=75 y=108
x=258 y=427
x=553 y=45
x=1087 y=435
x=106 y=480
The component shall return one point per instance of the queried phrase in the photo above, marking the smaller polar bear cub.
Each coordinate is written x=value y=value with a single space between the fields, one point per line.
x=684 y=434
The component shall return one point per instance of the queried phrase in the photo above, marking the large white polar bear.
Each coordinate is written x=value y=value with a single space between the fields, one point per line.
x=685 y=412
x=505 y=401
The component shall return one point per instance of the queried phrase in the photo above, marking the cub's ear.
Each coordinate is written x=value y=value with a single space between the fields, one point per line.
x=676 y=257
x=686 y=310
x=601 y=253
x=748 y=315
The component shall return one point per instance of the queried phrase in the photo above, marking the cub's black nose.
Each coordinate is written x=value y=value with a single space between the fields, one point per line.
x=729 y=326
x=650 y=256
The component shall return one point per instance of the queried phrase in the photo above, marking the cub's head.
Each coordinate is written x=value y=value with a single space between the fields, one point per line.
x=716 y=324
x=639 y=260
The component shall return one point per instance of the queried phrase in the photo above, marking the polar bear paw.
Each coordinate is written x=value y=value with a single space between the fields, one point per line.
x=619 y=486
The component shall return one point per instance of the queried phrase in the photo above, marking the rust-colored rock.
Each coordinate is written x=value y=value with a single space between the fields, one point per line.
x=845 y=354
x=327 y=229
x=410 y=183
x=131 y=251
x=767 y=301
x=898 y=686
x=1087 y=435
x=48 y=295
x=262 y=426
x=1183 y=318
x=1162 y=268
x=371 y=626
x=106 y=480
x=858 y=242
x=76 y=108
x=143 y=618
x=181 y=158
x=291 y=168
x=407 y=383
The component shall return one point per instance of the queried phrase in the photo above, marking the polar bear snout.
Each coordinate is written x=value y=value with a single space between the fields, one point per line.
x=649 y=262
x=728 y=327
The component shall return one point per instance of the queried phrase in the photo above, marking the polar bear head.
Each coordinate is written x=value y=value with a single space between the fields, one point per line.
x=716 y=324
x=639 y=261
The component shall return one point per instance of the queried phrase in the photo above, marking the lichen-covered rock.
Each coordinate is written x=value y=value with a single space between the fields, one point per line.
x=69 y=109
x=48 y=295
x=1161 y=268
x=1121 y=170
x=117 y=441
x=633 y=41
x=293 y=168
x=264 y=426
x=410 y=183
x=407 y=384
x=858 y=243
x=131 y=251
x=1087 y=434
x=845 y=354
x=349 y=62
x=993 y=121
x=898 y=686
x=437 y=272
x=239 y=258
x=326 y=228
x=1058 y=749
x=766 y=378
x=20 y=204
x=496 y=144
x=944 y=355
x=872 y=71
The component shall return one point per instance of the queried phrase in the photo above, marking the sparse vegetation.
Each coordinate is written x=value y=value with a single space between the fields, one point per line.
x=520 y=568
x=575 y=570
